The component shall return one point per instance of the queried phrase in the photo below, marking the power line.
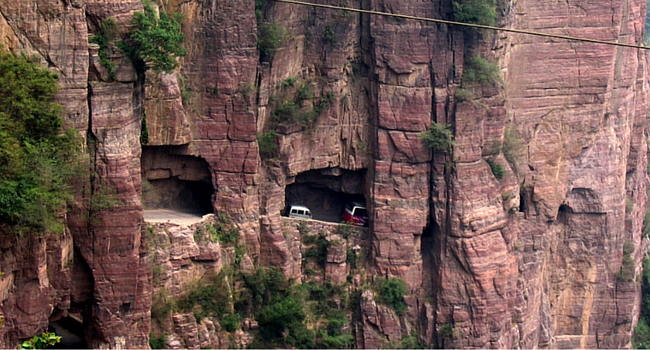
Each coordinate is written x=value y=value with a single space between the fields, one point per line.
x=518 y=31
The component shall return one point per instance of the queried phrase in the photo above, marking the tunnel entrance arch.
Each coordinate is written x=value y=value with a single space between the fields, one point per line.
x=326 y=191
x=173 y=179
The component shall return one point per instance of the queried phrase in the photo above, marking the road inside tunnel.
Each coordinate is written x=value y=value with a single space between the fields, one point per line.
x=325 y=204
x=172 y=216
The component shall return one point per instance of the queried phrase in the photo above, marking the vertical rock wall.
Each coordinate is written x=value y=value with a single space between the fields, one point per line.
x=100 y=274
x=537 y=277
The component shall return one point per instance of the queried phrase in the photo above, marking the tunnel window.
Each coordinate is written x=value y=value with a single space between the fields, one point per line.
x=172 y=179
x=326 y=192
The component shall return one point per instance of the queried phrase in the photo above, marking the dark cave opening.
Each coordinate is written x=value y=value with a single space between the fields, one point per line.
x=326 y=191
x=173 y=179
x=71 y=331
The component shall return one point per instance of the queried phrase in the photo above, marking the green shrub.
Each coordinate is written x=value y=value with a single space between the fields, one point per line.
x=107 y=33
x=438 y=137
x=285 y=112
x=266 y=286
x=305 y=92
x=329 y=37
x=626 y=274
x=270 y=37
x=231 y=322
x=319 y=250
x=157 y=40
x=497 y=169
x=481 y=12
x=290 y=81
x=344 y=229
x=38 y=161
x=478 y=70
x=641 y=336
x=303 y=228
x=391 y=292
x=41 y=341
x=446 y=331
x=161 y=306
x=208 y=296
x=267 y=143
x=158 y=342
x=351 y=258
x=463 y=95
x=222 y=231
x=275 y=319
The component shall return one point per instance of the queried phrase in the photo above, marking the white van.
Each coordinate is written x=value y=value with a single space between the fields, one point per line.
x=299 y=212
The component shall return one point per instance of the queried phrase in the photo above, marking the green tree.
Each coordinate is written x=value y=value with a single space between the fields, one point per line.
x=270 y=37
x=156 y=40
x=478 y=70
x=475 y=11
x=438 y=137
x=37 y=159
x=391 y=291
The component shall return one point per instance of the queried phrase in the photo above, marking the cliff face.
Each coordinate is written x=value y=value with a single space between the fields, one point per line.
x=530 y=259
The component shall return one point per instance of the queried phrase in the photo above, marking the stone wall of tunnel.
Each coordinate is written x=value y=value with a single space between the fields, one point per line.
x=326 y=191
x=172 y=179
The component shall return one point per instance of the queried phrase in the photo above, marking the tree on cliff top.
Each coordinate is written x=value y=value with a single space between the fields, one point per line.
x=475 y=11
x=157 y=39
x=36 y=158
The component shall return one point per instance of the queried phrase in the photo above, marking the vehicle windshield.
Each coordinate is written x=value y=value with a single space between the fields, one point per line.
x=360 y=212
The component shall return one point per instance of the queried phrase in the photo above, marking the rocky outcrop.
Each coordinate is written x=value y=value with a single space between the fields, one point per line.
x=537 y=278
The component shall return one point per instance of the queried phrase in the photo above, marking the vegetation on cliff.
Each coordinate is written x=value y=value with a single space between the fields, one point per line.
x=37 y=159
x=478 y=70
x=641 y=337
x=107 y=33
x=157 y=39
x=481 y=12
x=41 y=341
x=438 y=137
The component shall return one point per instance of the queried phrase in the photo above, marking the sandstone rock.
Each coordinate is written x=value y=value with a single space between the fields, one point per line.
x=185 y=326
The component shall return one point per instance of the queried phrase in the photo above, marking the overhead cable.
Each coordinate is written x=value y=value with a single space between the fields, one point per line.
x=472 y=25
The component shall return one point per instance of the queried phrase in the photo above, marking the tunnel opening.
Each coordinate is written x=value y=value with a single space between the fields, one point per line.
x=173 y=179
x=71 y=330
x=326 y=191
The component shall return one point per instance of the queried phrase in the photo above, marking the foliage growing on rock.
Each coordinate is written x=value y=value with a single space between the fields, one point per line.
x=497 y=169
x=270 y=37
x=641 y=335
x=157 y=39
x=391 y=291
x=107 y=33
x=37 y=160
x=41 y=341
x=267 y=142
x=478 y=70
x=481 y=12
x=438 y=137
